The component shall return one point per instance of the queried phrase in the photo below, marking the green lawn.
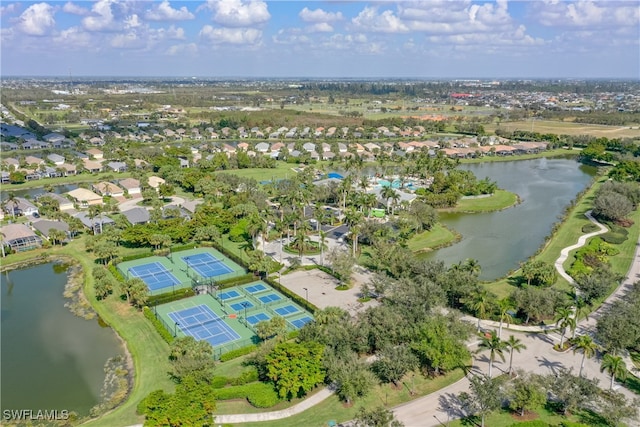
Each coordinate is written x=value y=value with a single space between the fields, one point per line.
x=333 y=409
x=435 y=238
x=281 y=171
x=507 y=418
x=548 y=153
x=501 y=199
x=104 y=176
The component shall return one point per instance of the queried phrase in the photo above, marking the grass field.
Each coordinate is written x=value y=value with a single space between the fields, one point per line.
x=433 y=239
x=568 y=128
x=559 y=152
x=501 y=199
x=281 y=171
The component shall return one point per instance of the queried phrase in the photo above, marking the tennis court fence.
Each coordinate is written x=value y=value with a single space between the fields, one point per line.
x=235 y=345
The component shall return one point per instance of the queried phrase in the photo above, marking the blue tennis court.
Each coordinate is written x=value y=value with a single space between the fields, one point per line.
x=255 y=288
x=206 y=265
x=203 y=324
x=239 y=306
x=269 y=298
x=299 y=323
x=228 y=295
x=257 y=318
x=154 y=275
x=286 y=310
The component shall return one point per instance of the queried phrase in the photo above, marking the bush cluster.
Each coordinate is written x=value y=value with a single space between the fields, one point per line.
x=164 y=333
x=260 y=395
x=246 y=377
x=237 y=353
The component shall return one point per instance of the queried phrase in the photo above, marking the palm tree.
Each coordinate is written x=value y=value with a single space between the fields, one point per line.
x=615 y=366
x=514 y=343
x=322 y=237
x=564 y=318
x=13 y=201
x=495 y=345
x=505 y=305
x=587 y=346
x=480 y=302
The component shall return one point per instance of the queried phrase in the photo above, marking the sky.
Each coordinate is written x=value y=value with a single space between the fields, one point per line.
x=428 y=39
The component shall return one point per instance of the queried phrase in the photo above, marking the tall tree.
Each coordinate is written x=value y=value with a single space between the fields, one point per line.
x=588 y=348
x=485 y=396
x=480 y=302
x=564 y=319
x=376 y=417
x=495 y=345
x=295 y=368
x=513 y=344
x=615 y=366
x=505 y=307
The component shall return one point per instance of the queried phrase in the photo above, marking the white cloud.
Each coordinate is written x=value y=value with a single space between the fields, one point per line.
x=164 y=12
x=319 y=15
x=102 y=17
x=236 y=36
x=320 y=27
x=586 y=14
x=182 y=49
x=238 y=13
x=73 y=38
x=37 y=20
x=129 y=40
x=291 y=36
x=9 y=9
x=175 y=33
x=370 y=20
x=74 y=9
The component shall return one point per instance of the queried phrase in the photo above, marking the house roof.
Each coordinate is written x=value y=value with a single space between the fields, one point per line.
x=61 y=200
x=16 y=231
x=155 y=181
x=129 y=183
x=100 y=219
x=137 y=215
x=44 y=225
x=84 y=194
x=105 y=187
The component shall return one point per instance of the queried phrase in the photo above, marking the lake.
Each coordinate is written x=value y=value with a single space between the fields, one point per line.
x=51 y=359
x=500 y=241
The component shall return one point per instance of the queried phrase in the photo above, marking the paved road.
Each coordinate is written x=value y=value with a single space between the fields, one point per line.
x=539 y=357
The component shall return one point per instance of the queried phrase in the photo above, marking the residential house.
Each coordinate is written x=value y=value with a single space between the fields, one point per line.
x=33 y=161
x=117 y=166
x=44 y=226
x=84 y=197
x=19 y=206
x=97 y=223
x=56 y=159
x=262 y=147
x=10 y=161
x=309 y=147
x=95 y=153
x=137 y=215
x=131 y=185
x=92 y=166
x=105 y=188
x=68 y=170
x=155 y=182
x=19 y=237
x=54 y=137
x=63 y=203
x=184 y=163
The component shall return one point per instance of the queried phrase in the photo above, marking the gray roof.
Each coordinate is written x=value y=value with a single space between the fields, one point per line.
x=44 y=225
x=100 y=219
x=137 y=215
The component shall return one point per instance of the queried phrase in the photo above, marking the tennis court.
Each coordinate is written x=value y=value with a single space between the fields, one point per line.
x=206 y=265
x=254 y=289
x=269 y=298
x=299 y=323
x=257 y=318
x=286 y=310
x=228 y=295
x=154 y=275
x=202 y=323
x=242 y=305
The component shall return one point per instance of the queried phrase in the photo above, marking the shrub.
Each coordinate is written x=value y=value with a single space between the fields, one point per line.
x=246 y=377
x=237 y=353
x=137 y=256
x=168 y=297
x=590 y=228
x=260 y=395
x=164 y=333
x=219 y=382
x=614 y=238
x=116 y=273
x=532 y=423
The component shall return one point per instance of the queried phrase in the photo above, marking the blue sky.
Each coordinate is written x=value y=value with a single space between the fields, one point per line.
x=402 y=39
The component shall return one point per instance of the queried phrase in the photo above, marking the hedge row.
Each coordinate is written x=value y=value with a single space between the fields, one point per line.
x=186 y=247
x=237 y=353
x=137 y=256
x=235 y=281
x=260 y=395
x=246 y=377
x=116 y=273
x=166 y=335
x=171 y=296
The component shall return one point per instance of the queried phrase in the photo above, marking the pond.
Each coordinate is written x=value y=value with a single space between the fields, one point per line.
x=51 y=359
x=32 y=193
x=500 y=241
